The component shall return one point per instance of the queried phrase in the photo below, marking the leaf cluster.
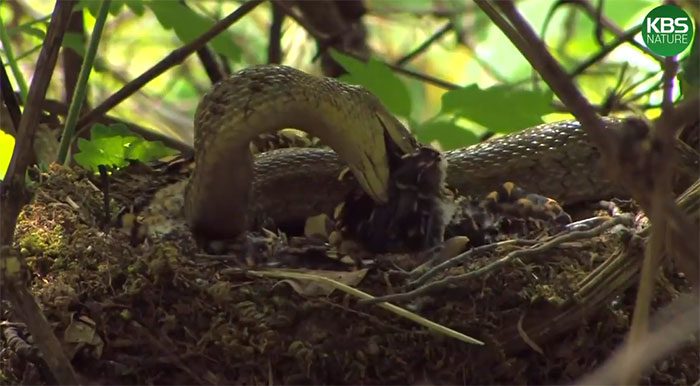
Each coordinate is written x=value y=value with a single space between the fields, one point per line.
x=115 y=146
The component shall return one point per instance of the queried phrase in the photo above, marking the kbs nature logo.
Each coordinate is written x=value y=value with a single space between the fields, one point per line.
x=667 y=30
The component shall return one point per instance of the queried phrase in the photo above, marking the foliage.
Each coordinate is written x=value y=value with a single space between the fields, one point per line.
x=7 y=143
x=115 y=146
x=187 y=25
x=483 y=107
x=495 y=90
x=379 y=80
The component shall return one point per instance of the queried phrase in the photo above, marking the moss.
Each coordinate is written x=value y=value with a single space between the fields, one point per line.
x=44 y=241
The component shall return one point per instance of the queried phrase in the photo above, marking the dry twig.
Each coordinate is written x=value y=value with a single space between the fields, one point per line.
x=547 y=245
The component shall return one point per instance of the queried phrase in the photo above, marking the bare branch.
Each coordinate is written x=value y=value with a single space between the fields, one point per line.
x=166 y=63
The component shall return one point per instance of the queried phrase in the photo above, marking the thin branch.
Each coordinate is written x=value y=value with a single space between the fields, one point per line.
x=208 y=59
x=400 y=70
x=166 y=63
x=466 y=256
x=645 y=293
x=569 y=26
x=55 y=107
x=624 y=38
x=210 y=64
x=10 y=99
x=602 y=20
x=488 y=67
x=274 y=47
x=670 y=71
x=598 y=15
x=659 y=205
x=81 y=86
x=554 y=242
x=534 y=50
x=73 y=60
x=652 y=88
x=426 y=44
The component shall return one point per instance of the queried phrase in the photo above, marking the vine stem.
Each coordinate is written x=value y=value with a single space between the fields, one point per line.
x=81 y=86
x=12 y=61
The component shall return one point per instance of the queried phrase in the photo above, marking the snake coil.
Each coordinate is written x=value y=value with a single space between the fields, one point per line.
x=229 y=186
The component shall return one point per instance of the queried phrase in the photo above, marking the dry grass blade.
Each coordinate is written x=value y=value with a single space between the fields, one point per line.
x=432 y=326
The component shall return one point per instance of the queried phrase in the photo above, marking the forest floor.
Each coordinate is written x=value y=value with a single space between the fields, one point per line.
x=130 y=310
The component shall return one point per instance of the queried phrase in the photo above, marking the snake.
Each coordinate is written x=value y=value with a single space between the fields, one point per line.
x=229 y=185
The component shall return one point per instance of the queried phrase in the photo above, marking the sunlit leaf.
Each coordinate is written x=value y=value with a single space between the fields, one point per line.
x=148 y=151
x=136 y=6
x=102 y=151
x=379 y=79
x=115 y=146
x=448 y=134
x=7 y=145
x=188 y=25
x=503 y=109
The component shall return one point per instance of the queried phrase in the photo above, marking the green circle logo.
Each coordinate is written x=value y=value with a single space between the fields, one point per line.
x=667 y=30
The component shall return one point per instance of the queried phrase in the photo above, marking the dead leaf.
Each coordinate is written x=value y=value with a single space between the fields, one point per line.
x=314 y=288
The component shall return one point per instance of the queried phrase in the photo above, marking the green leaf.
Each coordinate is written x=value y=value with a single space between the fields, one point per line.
x=503 y=109
x=379 y=79
x=102 y=151
x=115 y=145
x=74 y=41
x=448 y=134
x=148 y=151
x=136 y=6
x=188 y=25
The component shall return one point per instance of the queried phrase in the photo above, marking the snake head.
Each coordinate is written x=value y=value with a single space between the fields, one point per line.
x=372 y=177
x=372 y=173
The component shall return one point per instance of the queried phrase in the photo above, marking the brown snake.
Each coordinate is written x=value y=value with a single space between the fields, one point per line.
x=228 y=186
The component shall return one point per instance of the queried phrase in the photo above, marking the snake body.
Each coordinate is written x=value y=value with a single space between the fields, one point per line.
x=228 y=185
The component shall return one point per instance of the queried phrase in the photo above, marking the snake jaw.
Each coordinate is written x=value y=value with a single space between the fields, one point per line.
x=396 y=132
x=374 y=180
x=372 y=172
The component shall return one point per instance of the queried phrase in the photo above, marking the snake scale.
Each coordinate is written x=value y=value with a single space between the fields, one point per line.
x=228 y=185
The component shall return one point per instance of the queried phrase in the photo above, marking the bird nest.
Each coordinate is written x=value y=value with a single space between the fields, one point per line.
x=159 y=311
